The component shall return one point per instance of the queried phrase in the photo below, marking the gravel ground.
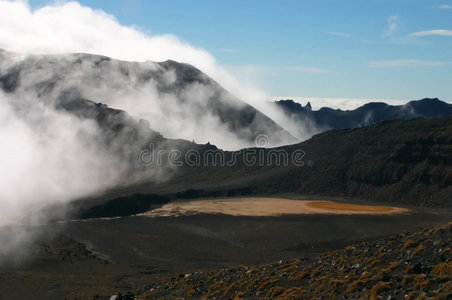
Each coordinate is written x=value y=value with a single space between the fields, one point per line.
x=405 y=266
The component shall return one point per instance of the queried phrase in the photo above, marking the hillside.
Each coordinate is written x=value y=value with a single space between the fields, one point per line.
x=405 y=266
x=177 y=99
x=398 y=162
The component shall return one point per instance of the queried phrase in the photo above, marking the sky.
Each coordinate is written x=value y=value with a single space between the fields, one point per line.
x=371 y=49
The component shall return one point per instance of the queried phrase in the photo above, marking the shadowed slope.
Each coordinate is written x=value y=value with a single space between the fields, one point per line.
x=394 y=162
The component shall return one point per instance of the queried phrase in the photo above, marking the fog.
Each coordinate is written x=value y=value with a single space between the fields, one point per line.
x=49 y=156
x=70 y=27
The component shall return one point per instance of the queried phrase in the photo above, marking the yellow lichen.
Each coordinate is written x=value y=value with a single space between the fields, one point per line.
x=417 y=250
x=410 y=295
x=408 y=244
x=420 y=282
x=387 y=270
x=298 y=275
x=191 y=292
x=275 y=291
x=317 y=270
x=373 y=293
x=443 y=269
x=355 y=284
x=292 y=293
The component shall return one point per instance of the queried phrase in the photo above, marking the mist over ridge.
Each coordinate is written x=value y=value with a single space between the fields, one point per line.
x=82 y=95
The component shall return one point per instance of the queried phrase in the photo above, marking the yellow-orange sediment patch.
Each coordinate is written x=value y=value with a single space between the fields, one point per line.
x=258 y=206
x=338 y=206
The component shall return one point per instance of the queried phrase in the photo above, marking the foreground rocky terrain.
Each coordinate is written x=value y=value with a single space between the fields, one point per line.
x=83 y=258
x=405 y=266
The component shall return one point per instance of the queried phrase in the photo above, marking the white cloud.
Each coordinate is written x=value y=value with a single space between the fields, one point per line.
x=393 y=24
x=443 y=32
x=71 y=27
x=306 y=69
x=407 y=63
x=67 y=27
x=339 y=33
x=444 y=6
x=50 y=158
x=339 y=103
x=50 y=163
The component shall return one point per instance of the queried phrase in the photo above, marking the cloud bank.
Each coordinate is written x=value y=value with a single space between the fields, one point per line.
x=70 y=27
x=339 y=103
x=53 y=157
x=407 y=63
x=441 y=32
x=47 y=158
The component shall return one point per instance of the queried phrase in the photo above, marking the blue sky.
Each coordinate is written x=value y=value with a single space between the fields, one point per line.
x=381 y=49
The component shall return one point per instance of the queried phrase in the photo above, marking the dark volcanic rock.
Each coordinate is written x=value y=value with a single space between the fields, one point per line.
x=398 y=162
x=368 y=114
x=406 y=266
x=123 y=206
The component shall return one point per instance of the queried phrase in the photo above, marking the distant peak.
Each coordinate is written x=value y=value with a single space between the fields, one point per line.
x=170 y=61
x=426 y=101
x=289 y=103
x=374 y=104
x=430 y=100
x=308 y=106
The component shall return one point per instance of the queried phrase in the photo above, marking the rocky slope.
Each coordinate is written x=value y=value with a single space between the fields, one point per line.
x=398 y=162
x=177 y=99
x=406 y=266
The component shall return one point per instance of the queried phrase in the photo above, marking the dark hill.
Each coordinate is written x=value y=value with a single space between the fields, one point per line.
x=165 y=93
x=407 y=162
x=370 y=113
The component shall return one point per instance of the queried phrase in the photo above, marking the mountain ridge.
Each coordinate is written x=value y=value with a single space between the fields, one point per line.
x=370 y=113
x=195 y=104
